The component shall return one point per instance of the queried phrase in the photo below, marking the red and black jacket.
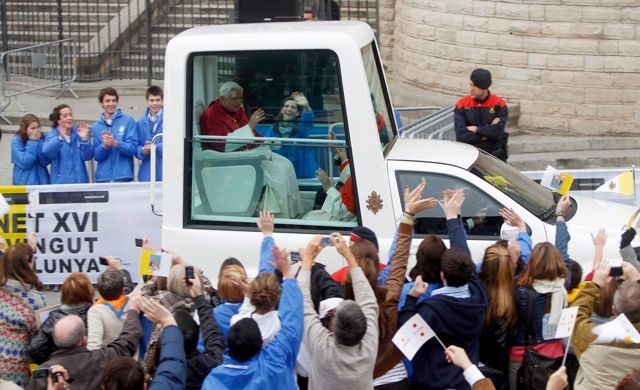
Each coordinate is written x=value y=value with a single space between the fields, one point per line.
x=488 y=137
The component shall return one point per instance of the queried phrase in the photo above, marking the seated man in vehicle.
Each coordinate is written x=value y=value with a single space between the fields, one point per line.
x=295 y=120
x=225 y=116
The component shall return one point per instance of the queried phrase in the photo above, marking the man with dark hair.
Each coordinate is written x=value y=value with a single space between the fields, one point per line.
x=455 y=313
x=480 y=117
x=344 y=357
x=115 y=140
x=602 y=365
x=249 y=366
x=148 y=126
x=85 y=366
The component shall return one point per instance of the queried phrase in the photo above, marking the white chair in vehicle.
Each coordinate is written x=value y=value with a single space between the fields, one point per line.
x=228 y=183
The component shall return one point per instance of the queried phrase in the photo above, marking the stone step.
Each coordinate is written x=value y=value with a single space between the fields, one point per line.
x=524 y=144
x=576 y=159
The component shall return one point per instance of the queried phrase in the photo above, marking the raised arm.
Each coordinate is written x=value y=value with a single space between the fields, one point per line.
x=414 y=204
x=562 y=234
x=266 y=225
x=315 y=335
x=523 y=238
x=452 y=203
x=213 y=340
x=626 y=250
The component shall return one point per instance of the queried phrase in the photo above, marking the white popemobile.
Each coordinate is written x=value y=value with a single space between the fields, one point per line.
x=211 y=198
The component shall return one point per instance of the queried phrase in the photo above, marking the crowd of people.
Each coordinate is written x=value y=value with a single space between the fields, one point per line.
x=112 y=141
x=294 y=325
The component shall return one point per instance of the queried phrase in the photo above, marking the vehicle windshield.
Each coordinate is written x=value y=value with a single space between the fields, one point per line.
x=530 y=195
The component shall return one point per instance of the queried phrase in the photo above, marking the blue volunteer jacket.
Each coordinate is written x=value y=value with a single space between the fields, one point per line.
x=29 y=164
x=171 y=373
x=146 y=131
x=67 y=158
x=115 y=164
x=272 y=367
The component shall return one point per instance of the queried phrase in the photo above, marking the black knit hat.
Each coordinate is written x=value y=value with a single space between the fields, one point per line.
x=364 y=233
x=481 y=78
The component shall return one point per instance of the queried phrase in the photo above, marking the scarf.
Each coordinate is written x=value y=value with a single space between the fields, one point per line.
x=558 y=296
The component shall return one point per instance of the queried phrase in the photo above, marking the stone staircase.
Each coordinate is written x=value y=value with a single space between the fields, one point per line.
x=530 y=152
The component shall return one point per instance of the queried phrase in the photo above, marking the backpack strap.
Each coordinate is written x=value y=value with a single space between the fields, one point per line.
x=118 y=313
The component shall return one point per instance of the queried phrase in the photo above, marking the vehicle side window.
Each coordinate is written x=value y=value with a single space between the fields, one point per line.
x=381 y=107
x=480 y=214
x=268 y=132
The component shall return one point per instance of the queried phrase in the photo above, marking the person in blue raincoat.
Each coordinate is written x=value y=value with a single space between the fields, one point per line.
x=115 y=140
x=149 y=125
x=68 y=147
x=29 y=164
x=295 y=120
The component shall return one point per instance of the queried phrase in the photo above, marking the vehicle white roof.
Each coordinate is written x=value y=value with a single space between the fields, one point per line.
x=326 y=32
x=435 y=151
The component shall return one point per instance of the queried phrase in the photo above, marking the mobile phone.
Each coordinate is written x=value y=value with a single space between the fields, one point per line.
x=40 y=373
x=295 y=257
x=103 y=260
x=326 y=241
x=188 y=274
x=615 y=271
x=139 y=242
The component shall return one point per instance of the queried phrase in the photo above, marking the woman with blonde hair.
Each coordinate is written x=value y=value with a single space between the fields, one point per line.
x=231 y=294
x=29 y=164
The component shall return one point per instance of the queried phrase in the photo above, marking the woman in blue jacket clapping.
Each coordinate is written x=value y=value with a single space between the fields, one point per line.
x=29 y=164
x=68 y=147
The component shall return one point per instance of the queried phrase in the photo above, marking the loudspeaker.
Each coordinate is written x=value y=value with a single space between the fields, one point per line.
x=258 y=11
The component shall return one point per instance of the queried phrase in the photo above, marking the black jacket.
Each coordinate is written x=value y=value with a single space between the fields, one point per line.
x=42 y=346
x=199 y=364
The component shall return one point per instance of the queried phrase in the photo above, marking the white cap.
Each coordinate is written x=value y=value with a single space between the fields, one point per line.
x=329 y=304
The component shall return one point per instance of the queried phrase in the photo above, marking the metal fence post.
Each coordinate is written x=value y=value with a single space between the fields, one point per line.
x=5 y=33
x=60 y=38
x=149 y=47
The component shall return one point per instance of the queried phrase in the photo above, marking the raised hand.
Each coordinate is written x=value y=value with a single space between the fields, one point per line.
x=341 y=246
x=300 y=99
x=413 y=202
x=256 y=117
x=601 y=274
x=83 y=130
x=32 y=241
x=324 y=179
x=266 y=223
x=309 y=254
x=194 y=286
x=453 y=204
x=600 y=238
x=513 y=219
x=282 y=262
x=156 y=312
x=564 y=204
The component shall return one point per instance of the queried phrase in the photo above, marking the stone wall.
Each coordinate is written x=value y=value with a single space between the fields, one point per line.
x=571 y=65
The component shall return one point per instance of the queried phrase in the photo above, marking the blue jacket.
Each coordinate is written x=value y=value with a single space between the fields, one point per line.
x=29 y=164
x=273 y=366
x=171 y=373
x=223 y=314
x=540 y=300
x=115 y=164
x=302 y=157
x=67 y=158
x=146 y=131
